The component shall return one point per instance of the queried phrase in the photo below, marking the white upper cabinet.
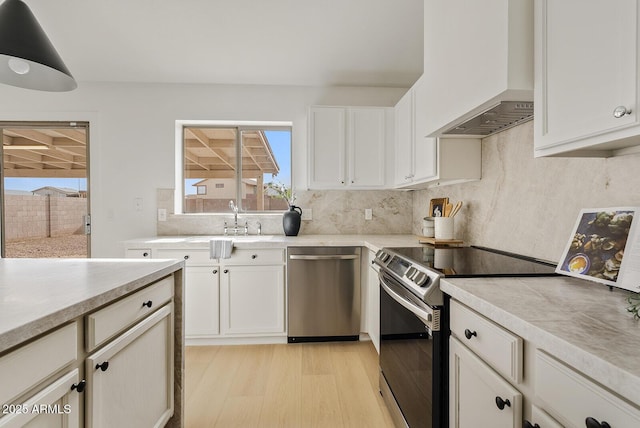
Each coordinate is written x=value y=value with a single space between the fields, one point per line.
x=587 y=74
x=347 y=147
x=476 y=54
x=422 y=161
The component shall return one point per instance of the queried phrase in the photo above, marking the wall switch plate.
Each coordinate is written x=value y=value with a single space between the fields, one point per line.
x=307 y=214
x=162 y=214
x=368 y=214
x=138 y=204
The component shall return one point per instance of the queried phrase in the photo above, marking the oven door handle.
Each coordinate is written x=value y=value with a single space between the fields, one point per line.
x=423 y=315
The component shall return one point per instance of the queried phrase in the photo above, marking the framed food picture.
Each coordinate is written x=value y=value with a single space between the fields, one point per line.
x=604 y=247
x=436 y=207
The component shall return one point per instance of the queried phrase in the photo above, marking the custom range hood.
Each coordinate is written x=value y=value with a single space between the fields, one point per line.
x=505 y=115
x=478 y=73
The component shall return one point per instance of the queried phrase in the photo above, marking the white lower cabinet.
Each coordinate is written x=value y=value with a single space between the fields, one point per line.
x=202 y=300
x=575 y=400
x=55 y=406
x=252 y=299
x=373 y=302
x=234 y=299
x=479 y=397
x=540 y=419
x=130 y=380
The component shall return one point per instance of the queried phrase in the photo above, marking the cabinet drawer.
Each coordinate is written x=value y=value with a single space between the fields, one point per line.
x=138 y=253
x=572 y=398
x=107 y=322
x=29 y=365
x=497 y=346
x=254 y=257
x=191 y=257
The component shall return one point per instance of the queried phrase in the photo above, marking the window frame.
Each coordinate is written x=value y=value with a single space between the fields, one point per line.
x=180 y=125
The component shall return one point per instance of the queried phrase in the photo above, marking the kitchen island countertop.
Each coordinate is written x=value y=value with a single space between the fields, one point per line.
x=583 y=323
x=37 y=295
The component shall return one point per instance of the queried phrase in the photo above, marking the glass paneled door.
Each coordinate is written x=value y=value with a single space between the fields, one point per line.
x=44 y=189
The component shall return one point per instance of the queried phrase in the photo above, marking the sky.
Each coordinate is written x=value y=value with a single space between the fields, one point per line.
x=29 y=184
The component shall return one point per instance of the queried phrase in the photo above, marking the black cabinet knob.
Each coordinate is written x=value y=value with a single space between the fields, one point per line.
x=79 y=386
x=186 y=257
x=104 y=366
x=593 y=423
x=145 y=254
x=254 y=256
x=528 y=424
x=501 y=403
x=226 y=271
x=469 y=334
x=215 y=271
x=148 y=304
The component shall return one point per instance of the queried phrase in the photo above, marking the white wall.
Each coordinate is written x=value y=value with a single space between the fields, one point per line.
x=132 y=136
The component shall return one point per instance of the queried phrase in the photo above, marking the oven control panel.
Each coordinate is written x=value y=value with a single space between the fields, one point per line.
x=420 y=280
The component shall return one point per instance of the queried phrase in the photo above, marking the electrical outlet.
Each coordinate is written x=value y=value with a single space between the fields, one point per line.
x=138 y=204
x=307 y=214
x=162 y=214
x=368 y=214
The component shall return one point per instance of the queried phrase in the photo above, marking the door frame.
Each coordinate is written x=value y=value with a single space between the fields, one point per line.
x=52 y=119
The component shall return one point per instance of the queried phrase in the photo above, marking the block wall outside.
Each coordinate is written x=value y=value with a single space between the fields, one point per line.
x=33 y=216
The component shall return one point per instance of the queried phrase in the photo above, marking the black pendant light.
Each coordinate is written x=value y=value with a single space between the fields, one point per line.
x=27 y=57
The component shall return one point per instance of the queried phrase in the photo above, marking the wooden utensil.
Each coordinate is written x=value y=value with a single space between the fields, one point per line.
x=456 y=209
x=447 y=210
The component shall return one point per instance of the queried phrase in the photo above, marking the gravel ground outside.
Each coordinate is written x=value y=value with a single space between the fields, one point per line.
x=58 y=247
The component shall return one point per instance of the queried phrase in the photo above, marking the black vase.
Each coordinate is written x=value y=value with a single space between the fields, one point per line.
x=291 y=221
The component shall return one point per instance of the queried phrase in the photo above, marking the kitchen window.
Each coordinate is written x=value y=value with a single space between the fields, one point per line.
x=227 y=161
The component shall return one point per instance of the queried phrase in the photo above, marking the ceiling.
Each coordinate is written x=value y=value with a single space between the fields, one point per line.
x=269 y=42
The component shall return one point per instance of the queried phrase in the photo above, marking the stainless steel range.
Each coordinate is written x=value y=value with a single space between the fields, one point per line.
x=414 y=322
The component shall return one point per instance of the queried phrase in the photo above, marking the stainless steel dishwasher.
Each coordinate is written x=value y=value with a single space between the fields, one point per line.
x=323 y=293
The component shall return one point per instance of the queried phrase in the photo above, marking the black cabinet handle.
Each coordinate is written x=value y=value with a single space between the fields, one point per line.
x=226 y=271
x=104 y=366
x=215 y=271
x=528 y=424
x=254 y=256
x=501 y=403
x=145 y=254
x=186 y=257
x=148 y=304
x=593 y=423
x=79 y=386
x=469 y=334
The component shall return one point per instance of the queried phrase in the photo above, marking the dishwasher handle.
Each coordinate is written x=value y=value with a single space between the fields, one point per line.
x=323 y=257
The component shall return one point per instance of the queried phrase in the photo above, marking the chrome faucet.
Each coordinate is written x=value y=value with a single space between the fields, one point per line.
x=233 y=207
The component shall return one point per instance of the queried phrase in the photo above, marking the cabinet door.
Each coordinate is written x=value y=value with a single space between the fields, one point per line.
x=425 y=149
x=327 y=149
x=366 y=144
x=586 y=66
x=404 y=140
x=130 y=381
x=477 y=393
x=55 y=406
x=202 y=301
x=373 y=306
x=252 y=299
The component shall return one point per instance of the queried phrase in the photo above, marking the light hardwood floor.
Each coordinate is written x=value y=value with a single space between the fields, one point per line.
x=299 y=385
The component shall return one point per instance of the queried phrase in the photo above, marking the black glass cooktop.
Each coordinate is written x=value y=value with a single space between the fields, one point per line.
x=468 y=262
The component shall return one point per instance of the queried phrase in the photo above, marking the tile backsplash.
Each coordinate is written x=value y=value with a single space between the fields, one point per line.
x=529 y=205
x=333 y=212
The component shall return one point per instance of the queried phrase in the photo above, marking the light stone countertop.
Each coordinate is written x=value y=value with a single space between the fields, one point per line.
x=373 y=242
x=582 y=323
x=37 y=295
